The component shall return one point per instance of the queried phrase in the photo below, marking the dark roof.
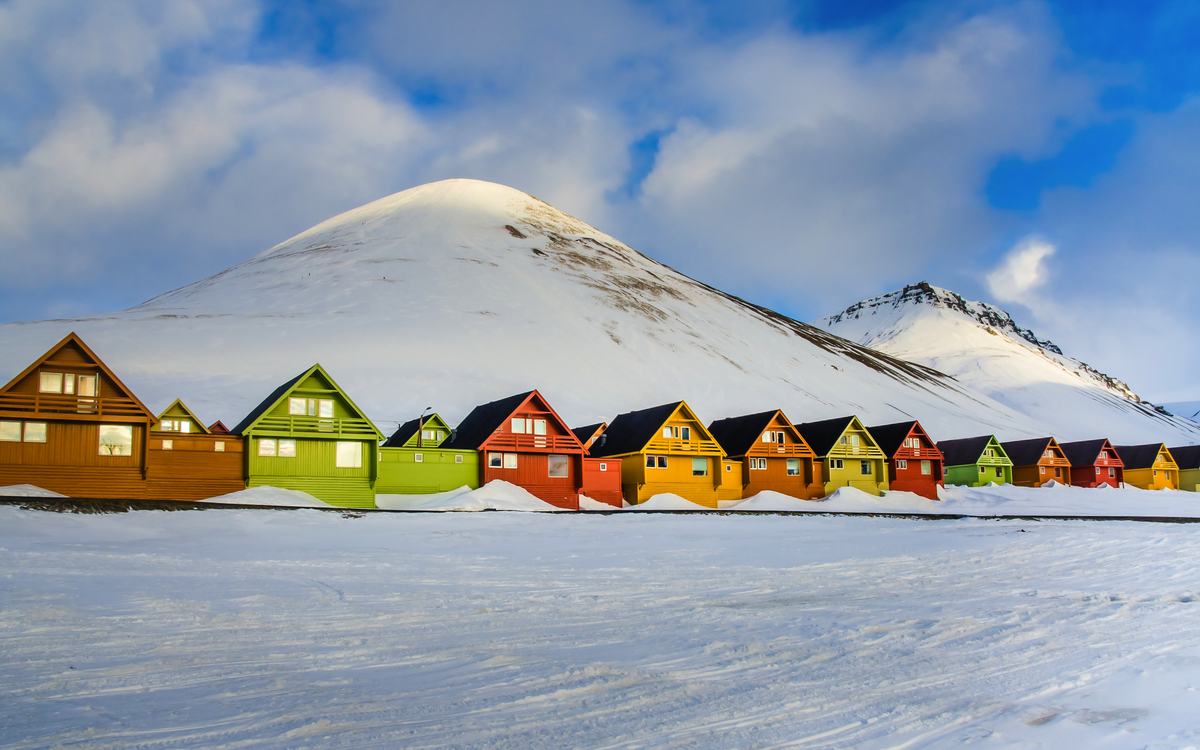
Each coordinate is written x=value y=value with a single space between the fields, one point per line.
x=1138 y=456
x=1186 y=456
x=822 y=436
x=737 y=435
x=1083 y=452
x=963 y=451
x=630 y=432
x=583 y=434
x=890 y=437
x=402 y=434
x=267 y=403
x=1026 y=452
x=483 y=421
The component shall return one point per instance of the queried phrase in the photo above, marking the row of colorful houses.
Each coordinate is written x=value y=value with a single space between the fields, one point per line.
x=70 y=425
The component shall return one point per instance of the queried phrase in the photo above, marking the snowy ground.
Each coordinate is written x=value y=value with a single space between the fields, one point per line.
x=301 y=628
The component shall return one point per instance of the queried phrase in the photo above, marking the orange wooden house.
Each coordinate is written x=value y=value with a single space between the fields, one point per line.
x=1093 y=463
x=773 y=455
x=913 y=459
x=521 y=440
x=601 y=476
x=1037 y=461
x=187 y=461
x=68 y=424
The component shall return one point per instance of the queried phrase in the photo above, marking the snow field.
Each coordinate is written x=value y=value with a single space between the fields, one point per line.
x=255 y=628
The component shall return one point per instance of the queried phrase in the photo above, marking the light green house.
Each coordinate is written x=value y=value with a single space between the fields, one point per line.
x=975 y=462
x=412 y=461
x=309 y=435
x=849 y=455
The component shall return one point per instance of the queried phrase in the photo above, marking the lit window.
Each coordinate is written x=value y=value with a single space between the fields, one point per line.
x=68 y=383
x=458 y=459
x=865 y=469
x=168 y=444
x=510 y=460
x=418 y=458
x=87 y=385
x=926 y=467
x=603 y=467
x=667 y=432
x=51 y=382
x=427 y=434
x=10 y=432
x=219 y=446
x=349 y=455
x=185 y=426
x=901 y=464
x=287 y=448
x=495 y=460
x=557 y=465
x=325 y=408
x=662 y=462
x=116 y=440
x=793 y=467
x=35 y=432
x=699 y=467
x=266 y=447
x=296 y=406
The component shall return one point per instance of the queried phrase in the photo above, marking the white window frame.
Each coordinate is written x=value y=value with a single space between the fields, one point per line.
x=603 y=466
x=565 y=462
x=495 y=460
x=47 y=379
x=865 y=469
x=926 y=467
x=219 y=446
x=901 y=464
x=93 y=381
x=685 y=433
x=662 y=462
x=458 y=459
x=113 y=427
x=267 y=448
x=510 y=460
x=793 y=467
x=286 y=448
x=14 y=429
x=325 y=408
x=517 y=426
x=667 y=433
x=168 y=444
x=418 y=458
x=694 y=465
x=343 y=459
x=45 y=432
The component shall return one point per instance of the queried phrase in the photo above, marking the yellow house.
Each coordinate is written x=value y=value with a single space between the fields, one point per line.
x=851 y=457
x=1150 y=467
x=667 y=449
x=1188 y=459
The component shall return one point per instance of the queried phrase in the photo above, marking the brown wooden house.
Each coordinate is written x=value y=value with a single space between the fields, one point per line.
x=601 y=476
x=1093 y=463
x=1037 y=461
x=188 y=462
x=773 y=455
x=521 y=440
x=68 y=424
x=914 y=461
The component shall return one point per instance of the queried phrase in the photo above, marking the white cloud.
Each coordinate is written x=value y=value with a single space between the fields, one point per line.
x=1022 y=274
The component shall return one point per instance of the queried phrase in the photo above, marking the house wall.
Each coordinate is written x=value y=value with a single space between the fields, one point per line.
x=1152 y=479
x=911 y=479
x=69 y=462
x=603 y=485
x=401 y=474
x=677 y=479
x=193 y=469
x=533 y=475
x=968 y=475
x=1189 y=479
x=313 y=470
x=851 y=475
x=775 y=478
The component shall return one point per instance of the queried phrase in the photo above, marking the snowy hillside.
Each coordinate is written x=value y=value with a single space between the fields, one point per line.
x=983 y=347
x=460 y=292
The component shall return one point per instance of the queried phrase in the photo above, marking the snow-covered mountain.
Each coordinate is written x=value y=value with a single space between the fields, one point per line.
x=983 y=347
x=460 y=292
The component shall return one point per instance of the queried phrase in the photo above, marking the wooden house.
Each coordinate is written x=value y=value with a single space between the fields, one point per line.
x=523 y=441
x=68 y=424
x=914 y=462
x=1187 y=458
x=1037 y=461
x=1151 y=466
x=772 y=453
x=1093 y=463
x=308 y=435
x=666 y=449
x=975 y=461
x=188 y=462
x=850 y=457
x=415 y=461
x=218 y=428
x=601 y=476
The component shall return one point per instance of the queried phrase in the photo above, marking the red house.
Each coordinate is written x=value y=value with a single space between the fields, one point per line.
x=1093 y=463
x=601 y=476
x=521 y=440
x=913 y=459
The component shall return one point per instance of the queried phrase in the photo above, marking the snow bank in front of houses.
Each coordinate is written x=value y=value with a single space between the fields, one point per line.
x=411 y=502
x=495 y=495
x=587 y=503
x=667 y=501
x=275 y=496
x=26 y=490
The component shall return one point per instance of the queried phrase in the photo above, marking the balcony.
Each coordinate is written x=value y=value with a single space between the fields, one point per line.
x=304 y=426
x=548 y=443
x=76 y=408
x=675 y=445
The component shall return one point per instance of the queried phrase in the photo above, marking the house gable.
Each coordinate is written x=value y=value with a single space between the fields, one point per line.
x=310 y=405
x=429 y=432
x=494 y=426
x=972 y=451
x=893 y=439
x=647 y=431
x=758 y=434
x=844 y=437
x=178 y=412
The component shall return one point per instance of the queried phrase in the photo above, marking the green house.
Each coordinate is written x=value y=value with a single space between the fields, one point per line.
x=413 y=462
x=309 y=436
x=975 y=462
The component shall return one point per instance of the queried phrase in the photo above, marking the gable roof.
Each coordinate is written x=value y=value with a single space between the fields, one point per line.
x=73 y=338
x=1139 y=456
x=183 y=407
x=484 y=420
x=1084 y=452
x=737 y=435
x=218 y=428
x=822 y=436
x=406 y=431
x=1026 y=452
x=587 y=432
x=631 y=431
x=1186 y=456
x=890 y=437
x=282 y=391
x=965 y=451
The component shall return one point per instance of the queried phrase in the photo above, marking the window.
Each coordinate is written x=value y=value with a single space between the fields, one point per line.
x=728 y=467
x=982 y=469
x=768 y=437
x=843 y=440
x=287 y=448
x=266 y=447
x=325 y=408
x=87 y=385
x=1103 y=454
x=1112 y=473
x=35 y=432
x=793 y=467
x=458 y=459
x=116 y=440
x=667 y=432
x=297 y=406
x=662 y=462
x=219 y=446
x=865 y=468
x=349 y=455
x=539 y=427
x=913 y=443
x=650 y=462
x=685 y=433
x=10 y=432
x=1057 y=473
x=603 y=466
x=926 y=467
x=699 y=467
x=558 y=465
x=510 y=460
x=1097 y=471
x=175 y=425
x=1156 y=472
x=168 y=444
x=837 y=463
x=854 y=440
x=418 y=458
x=779 y=437
x=999 y=471
x=1047 y=454
x=495 y=460
x=901 y=464
x=1041 y=469
x=52 y=382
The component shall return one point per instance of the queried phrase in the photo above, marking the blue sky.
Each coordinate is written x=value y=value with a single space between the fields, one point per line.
x=800 y=154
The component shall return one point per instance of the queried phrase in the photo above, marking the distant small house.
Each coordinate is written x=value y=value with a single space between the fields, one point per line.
x=601 y=476
x=913 y=459
x=772 y=453
x=188 y=462
x=976 y=461
x=1150 y=466
x=68 y=424
x=850 y=456
x=415 y=461
x=1187 y=458
x=523 y=441
x=666 y=449
x=1093 y=463
x=308 y=435
x=1037 y=461
x=218 y=428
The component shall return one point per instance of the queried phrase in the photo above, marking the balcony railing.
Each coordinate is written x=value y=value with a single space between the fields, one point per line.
x=337 y=427
x=548 y=443
x=675 y=445
x=69 y=407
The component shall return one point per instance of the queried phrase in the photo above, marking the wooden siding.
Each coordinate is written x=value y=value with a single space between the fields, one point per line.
x=313 y=470
x=192 y=469
x=401 y=474
x=807 y=485
x=853 y=456
x=340 y=491
x=1189 y=479
x=677 y=479
x=533 y=475
x=603 y=486
x=996 y=468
